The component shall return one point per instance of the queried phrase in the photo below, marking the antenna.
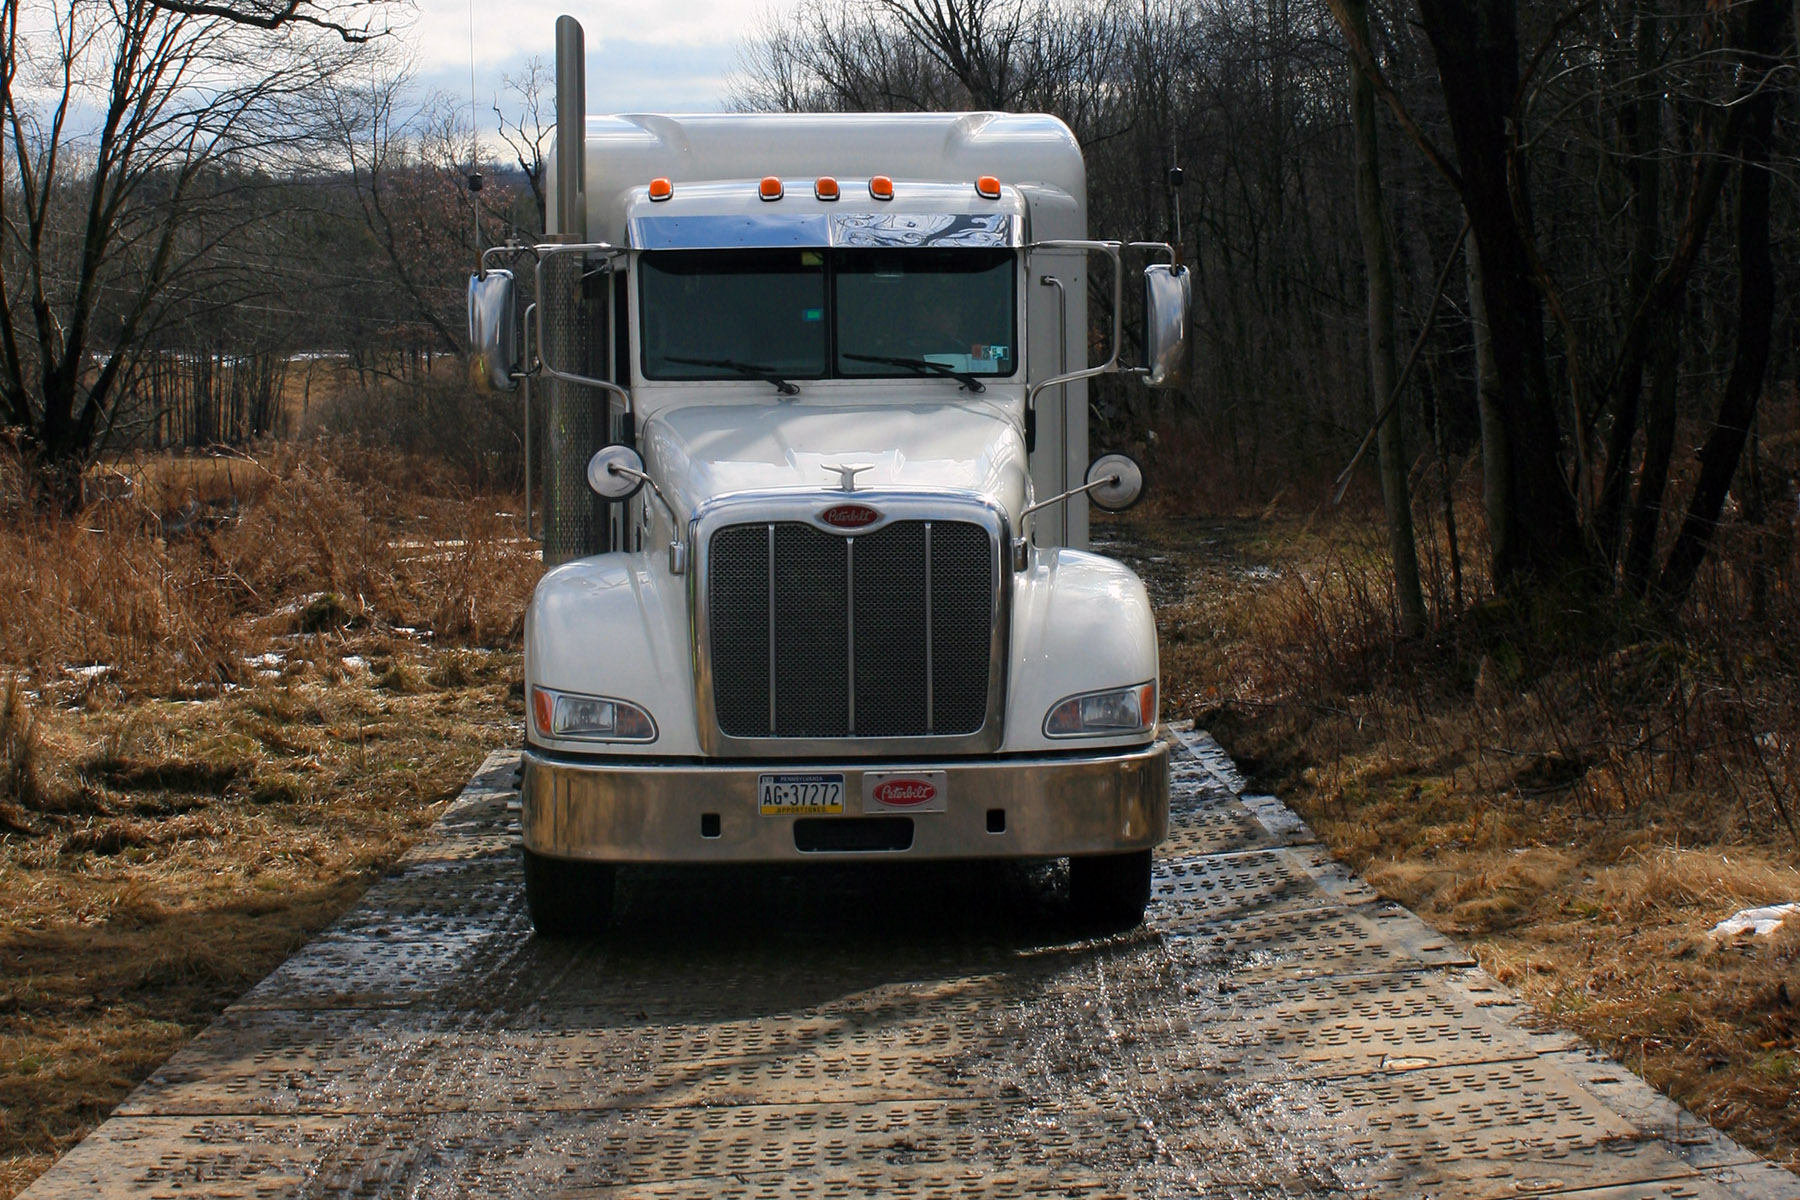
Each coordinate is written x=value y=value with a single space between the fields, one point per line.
x=474 y=143
x=1175 y=187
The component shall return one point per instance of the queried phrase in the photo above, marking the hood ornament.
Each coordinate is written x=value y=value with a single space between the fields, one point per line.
x=848 y=472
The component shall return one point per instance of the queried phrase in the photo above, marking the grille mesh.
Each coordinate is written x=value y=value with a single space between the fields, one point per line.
x=844 y=604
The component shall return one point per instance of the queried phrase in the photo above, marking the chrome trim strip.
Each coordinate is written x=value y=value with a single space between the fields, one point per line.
x=850 y=633
x=777 y=230
x=618 y=811
x=772 y=725
x=752 y=508
x=930 y=715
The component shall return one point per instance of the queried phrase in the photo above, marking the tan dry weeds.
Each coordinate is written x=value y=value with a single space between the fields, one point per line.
x=1580 y=822
x=197 y=812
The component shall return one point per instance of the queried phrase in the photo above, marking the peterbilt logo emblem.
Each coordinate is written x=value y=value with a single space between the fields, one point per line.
x=849 y=516
x=904 y=793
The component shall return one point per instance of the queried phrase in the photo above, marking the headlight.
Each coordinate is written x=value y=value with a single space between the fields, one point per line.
x=595 y=718
x=1121 y=710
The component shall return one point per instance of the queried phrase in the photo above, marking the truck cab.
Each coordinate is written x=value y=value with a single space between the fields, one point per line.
x=815 y=507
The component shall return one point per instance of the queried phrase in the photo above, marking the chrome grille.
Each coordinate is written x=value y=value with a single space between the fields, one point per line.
x=878 y=635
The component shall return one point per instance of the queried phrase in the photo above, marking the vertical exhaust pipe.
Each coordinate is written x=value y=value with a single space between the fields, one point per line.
x=575 y=519
x=571 y=131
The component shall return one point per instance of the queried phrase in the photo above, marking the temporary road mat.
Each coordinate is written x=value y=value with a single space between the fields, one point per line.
x=896 y=1029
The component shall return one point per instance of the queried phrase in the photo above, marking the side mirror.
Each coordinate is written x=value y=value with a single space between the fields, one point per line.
x=493 y=332
x=1114 y=482
x=616 y=472
x=1168 y=296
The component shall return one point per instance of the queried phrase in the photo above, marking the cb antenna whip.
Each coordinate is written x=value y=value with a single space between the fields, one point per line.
x=474 y=142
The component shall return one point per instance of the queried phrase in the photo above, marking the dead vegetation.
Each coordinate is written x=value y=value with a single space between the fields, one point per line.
x=233 y=695
x=1578 y=793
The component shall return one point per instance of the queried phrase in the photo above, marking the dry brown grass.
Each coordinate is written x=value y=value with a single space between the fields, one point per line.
x=169 y=590
x=307 y=654
x=1578 y=797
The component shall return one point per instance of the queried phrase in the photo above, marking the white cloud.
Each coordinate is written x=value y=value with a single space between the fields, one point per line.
x=670 y=56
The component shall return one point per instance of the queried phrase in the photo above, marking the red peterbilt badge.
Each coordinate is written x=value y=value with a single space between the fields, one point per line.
x=849 y=516
x=905 y=792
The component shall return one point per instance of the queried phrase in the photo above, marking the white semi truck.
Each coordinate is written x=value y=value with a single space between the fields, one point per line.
x=815 y=502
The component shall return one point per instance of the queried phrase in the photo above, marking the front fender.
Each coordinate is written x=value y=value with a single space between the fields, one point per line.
x=1081 y=623
x=613 y=625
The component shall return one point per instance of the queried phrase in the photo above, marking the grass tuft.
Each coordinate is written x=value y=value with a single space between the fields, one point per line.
x=21 y=780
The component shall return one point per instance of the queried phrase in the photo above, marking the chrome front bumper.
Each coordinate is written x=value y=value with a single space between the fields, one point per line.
x=617 y=811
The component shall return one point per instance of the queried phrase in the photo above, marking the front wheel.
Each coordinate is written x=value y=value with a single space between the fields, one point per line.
x=1111 y=889
x=568 y=899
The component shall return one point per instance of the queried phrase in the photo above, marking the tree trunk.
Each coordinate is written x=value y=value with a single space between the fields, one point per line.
x=1378 y=261
x=1640 y=122
x=1724 y=446
x=1659 y=450
x=1496 y=474
x=1475 y=43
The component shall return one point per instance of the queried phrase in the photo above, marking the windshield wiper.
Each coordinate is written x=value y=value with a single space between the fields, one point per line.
x=744 y=369
x=922 y=366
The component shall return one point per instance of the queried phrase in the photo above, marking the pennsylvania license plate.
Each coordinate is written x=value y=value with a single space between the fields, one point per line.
x=802 y=795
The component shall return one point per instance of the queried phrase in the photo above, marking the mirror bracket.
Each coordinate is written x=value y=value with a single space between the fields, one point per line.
x=617 y=473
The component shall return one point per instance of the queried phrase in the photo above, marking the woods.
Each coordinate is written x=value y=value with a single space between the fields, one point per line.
x=180 y=224
x=1614 y=164
x=1616 y=179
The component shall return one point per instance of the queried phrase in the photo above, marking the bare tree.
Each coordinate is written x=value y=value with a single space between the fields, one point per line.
x=354 y=21
x=1378 y=263
x=528 y=130
x=131 y=132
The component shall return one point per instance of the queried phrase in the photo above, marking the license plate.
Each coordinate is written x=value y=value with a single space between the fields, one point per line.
x=805 y=795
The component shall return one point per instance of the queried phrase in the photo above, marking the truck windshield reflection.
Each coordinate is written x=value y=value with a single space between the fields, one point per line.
x=787 y=314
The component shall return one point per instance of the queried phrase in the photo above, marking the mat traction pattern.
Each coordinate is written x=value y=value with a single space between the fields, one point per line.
x=897 y=1030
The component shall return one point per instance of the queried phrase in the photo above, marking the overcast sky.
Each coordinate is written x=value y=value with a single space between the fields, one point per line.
x=663 y=56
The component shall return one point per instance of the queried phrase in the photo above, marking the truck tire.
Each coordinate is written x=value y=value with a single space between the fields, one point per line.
x=1111 y=890
x=568 y=899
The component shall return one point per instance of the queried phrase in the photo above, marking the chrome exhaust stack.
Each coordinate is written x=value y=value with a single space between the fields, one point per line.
x=571 y=131
x=573 y=317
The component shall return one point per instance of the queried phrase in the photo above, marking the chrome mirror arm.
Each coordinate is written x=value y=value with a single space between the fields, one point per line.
x=1113 y=250
x=548 y=251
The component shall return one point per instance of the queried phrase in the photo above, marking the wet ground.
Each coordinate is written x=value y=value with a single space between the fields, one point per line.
x=906 y=1030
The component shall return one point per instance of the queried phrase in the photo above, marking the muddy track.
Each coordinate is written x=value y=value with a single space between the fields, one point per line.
x=908 y=1030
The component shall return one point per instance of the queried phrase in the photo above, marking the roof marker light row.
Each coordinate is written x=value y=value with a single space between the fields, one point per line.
x=881 y=187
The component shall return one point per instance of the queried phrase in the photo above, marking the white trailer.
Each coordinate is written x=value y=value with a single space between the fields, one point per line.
x=815 y=504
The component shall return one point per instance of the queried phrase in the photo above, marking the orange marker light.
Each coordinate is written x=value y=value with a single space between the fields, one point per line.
x=988 y=187
x=881 y=187
x=826 y=188
x=770 y=189
x=661 y=189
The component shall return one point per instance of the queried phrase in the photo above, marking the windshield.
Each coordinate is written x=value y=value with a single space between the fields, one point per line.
x=949 y=307
x=709 y=314
x=810 y=314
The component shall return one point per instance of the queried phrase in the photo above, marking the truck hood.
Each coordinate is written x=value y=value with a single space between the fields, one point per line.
x=703 y=451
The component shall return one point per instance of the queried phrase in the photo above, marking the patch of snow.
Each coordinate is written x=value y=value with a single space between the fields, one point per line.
x=1758 y=922
x=355 y=662
x=273 y=658
x=295 y=606
x=1259 y=573
x=88 y=671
